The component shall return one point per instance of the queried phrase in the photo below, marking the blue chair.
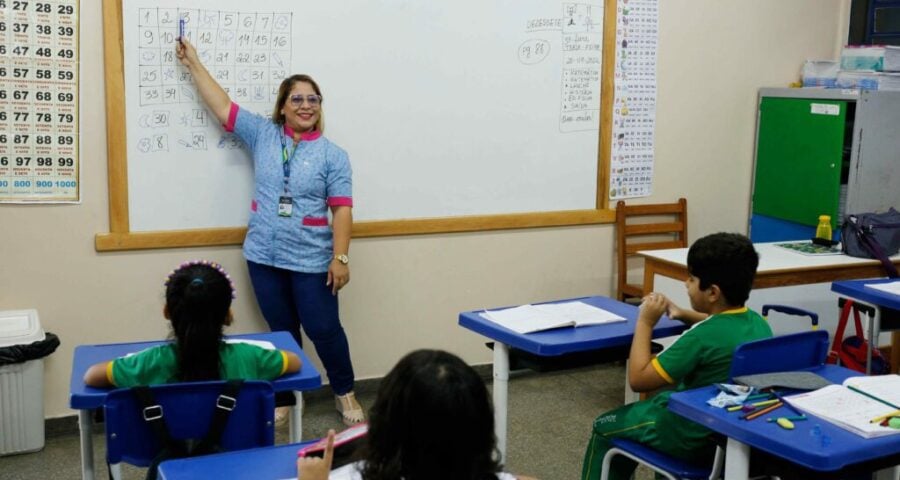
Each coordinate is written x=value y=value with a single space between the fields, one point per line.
x=187 y=409
x=669 y=467
x=796 y=351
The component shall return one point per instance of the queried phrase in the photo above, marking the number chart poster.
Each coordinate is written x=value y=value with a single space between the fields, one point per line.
x=169 y=128
x=39 y=101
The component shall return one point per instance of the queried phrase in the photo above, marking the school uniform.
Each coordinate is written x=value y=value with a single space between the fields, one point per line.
x=159 y=365
x=352 y=472
x=700 y=357
x=288 y=253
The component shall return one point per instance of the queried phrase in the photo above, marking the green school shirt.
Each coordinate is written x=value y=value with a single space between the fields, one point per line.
x=700 y=357
x=158 y=365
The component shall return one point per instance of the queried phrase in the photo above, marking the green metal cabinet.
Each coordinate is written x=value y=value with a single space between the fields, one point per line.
x=818 y=152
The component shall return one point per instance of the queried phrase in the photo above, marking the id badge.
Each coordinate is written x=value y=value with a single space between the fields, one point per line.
x=285 y=204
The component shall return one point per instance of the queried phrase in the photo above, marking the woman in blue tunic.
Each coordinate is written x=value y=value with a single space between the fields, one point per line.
x=297 y=262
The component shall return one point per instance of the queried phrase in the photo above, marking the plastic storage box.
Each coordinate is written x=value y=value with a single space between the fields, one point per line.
x=21 y=386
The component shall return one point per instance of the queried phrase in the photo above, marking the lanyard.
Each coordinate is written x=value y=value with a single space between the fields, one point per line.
x=286 y=163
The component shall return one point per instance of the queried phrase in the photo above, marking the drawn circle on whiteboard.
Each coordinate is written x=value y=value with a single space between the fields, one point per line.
x=533 y=51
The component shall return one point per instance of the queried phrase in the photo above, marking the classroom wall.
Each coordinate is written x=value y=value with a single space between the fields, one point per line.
x=406 y=292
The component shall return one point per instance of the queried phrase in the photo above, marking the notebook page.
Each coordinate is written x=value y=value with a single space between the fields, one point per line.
x=580 y=313
x=885 y=387
x=525 y=319
x=845 y=408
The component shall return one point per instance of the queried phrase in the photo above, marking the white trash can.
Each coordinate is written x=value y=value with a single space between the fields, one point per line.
x=21 y=386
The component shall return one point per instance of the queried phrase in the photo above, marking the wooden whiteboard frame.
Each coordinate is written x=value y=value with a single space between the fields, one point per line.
x=121 y=238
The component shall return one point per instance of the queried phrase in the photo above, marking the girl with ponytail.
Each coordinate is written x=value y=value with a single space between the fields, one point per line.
x=198 y=305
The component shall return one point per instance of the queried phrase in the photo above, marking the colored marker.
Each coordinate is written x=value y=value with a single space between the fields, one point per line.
x=758 y=396
x=180 y=29
x=794 y=418
x=755 y=404
x=759 y=413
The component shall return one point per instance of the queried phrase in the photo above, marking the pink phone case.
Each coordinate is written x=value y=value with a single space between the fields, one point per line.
x=341 y=438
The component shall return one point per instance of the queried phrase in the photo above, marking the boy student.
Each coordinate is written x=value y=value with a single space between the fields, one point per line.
x=722 y=267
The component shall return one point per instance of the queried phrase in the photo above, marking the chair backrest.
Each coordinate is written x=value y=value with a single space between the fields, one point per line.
x=633 y=237
x=780 y=354
x=187 y=410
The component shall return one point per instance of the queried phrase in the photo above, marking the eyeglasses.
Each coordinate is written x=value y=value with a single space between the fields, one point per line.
x=311 y=100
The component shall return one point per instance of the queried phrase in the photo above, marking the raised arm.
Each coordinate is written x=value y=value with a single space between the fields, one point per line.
x=213 y=94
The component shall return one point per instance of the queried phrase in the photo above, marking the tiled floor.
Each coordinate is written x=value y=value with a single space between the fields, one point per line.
x=550 y=417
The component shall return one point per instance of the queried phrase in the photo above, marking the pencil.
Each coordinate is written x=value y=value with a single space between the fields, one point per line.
x=756 y=404
x=752 y=415
x=873 y=397
x=780 y=398
x=881 y=418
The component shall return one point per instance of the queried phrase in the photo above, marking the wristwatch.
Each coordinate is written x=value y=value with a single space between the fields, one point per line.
x=343 y=258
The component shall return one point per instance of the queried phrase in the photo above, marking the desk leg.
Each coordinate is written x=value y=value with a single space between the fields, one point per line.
x=296 y=424
x=630 y=395
x=895 y=352
x=87 y=444
x=892 y=473
x=649 y=274
x=501 y=386
x=737 y=460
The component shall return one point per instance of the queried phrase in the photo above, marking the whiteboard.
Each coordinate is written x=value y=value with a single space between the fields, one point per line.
x=446 y=108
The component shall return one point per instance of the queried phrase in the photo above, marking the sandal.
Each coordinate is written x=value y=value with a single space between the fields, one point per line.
x=282 y=416
x=350 y=410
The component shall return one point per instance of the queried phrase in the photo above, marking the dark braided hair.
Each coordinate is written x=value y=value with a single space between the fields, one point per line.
x=432 y=419
x=198 y=296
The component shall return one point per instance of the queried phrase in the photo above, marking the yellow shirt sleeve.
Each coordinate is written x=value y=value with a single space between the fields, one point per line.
x=661 y=371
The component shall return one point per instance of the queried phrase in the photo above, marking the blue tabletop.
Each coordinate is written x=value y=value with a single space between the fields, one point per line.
x=82 y=396
x=568 y=340
x=267 y=462
x=857 y=289
x=799 y=445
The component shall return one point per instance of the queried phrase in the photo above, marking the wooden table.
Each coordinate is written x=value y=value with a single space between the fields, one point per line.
x=778 y=267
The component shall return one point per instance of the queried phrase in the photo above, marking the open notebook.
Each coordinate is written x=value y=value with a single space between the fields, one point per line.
x=534 y=318
x=854 y=404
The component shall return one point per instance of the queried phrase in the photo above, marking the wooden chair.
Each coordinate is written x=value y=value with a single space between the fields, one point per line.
x=627 y=233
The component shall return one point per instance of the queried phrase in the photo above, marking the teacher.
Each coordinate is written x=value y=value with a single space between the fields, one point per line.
x=297 y=263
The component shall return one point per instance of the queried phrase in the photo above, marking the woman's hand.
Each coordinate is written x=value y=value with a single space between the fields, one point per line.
x=315 y=468
x=338 y=276
x=186 y=53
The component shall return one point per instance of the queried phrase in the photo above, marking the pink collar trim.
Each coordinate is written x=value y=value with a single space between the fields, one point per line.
x=305 y=136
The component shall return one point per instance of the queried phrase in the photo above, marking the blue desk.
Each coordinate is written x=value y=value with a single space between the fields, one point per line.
x=799 y=446
x=259 y=463
x=556 y=342
x=879 y=302
x=84 y=398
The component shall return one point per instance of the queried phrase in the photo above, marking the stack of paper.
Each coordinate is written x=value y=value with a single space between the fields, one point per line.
x=891 y=58
x=534 y=318
x=855 y=404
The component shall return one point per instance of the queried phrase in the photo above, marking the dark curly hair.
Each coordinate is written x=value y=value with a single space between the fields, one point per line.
x=727 y=260
x=432 y=419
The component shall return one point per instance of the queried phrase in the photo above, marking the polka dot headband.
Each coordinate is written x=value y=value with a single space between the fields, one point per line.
x=214 y=265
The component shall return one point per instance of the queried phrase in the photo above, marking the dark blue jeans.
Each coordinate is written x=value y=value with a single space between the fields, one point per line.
x=289 y=300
